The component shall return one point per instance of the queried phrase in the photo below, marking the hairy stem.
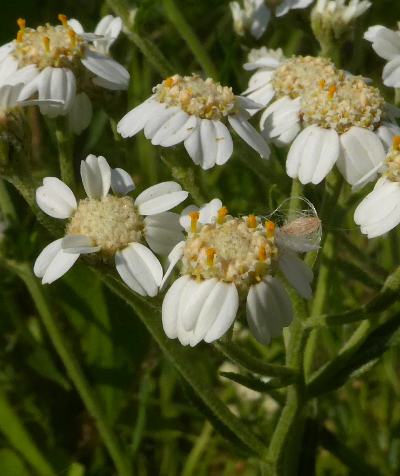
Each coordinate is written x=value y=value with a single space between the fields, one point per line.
x=65 y=154
x=73 y=367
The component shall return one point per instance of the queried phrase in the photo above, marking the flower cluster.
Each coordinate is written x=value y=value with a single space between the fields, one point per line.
x=329 y=115
x=224 y=261
x=60 y=67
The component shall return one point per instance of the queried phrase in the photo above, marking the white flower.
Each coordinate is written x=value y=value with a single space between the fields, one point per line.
x=256 y=14
x=194 y=111
x=338 y=13
x=386 y=44
x=330 y=116
x=227 y=260
x=58 y=67
x=379 y=212
x=253 y=17
x=111 y=225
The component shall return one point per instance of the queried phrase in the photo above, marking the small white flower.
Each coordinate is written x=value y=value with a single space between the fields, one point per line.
x=58 y=67
x=111 y=225
x=338 y=13
x=379 y=212
x=328 y=115
x=255 y=14
x=194 y=111
x=227 y=260
x=386 y=44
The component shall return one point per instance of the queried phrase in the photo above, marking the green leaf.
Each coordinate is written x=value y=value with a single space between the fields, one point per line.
x=11 y=464
x=257 y=384
x=42 y=362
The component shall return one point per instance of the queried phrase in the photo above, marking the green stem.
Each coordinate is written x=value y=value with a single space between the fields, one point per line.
x=16 y=433
x=149 y=49
x=6 y=205
x=65 y=154
x=333 y=184
x=192 y=461
x=241 y=357
x=185 y=30
x=184 y=172
x=285 y=443
x=182 y=359
x=74 y=370
x=327 y=371
x=295 y=197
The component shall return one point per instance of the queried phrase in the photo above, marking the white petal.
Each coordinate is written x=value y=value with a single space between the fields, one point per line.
x=55 y=198
x=281 y=121
x=53 y=262
x=136 y=119
x=139 y=268
x=226 y=315
x=297 y=273
x=8 y=96
x=372 y=32
x=319 y=155
x=23 y=76
x=224 y=142
x=110 y=27
x=160 y=116
x=283 y=8
x=7 y=49
x=162 y=232
x=379 y=212
x=121 y=182
x=175 y=129
x=96 y=176
x=209 y=211
x=387 y=44
x=296 y=4
x=170 y=307
x=264 y=62
x=160 y=198
x=216 y=308
x=76 y=26
x=259 y=20
x=386 y=133
x=173 y=258
x=80 y=114
x=249 y=135
x=298 y=151
x=362 y=152
x=185 y=219
x=78 y=244
x=8 y=67
x=391 y=73
x=268 y=309
x=106 y=68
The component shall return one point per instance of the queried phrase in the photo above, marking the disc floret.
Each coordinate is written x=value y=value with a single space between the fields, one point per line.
x=111 y=222
x=206 y=99
x=56 y=46
x=393 y=161
x=233 y=250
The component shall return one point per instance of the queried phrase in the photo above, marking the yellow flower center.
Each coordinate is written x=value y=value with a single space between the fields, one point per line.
x=206 y=99
x=57 y=46
x=393 y=161
x=299 y=73
x=345 y=103
x=238 y=250
x=111 y=222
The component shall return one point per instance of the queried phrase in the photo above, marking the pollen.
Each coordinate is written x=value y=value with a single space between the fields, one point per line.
x=46 y=42
x=210 y=256
x=252 y=221
x=21 y=23
x=345 y=103
x=393 y=161
x=63 y=19
x=206 y=99
x=222 y=212
x=300 y=73
x=72 y=36
x=231 y=251
x=194 y=217
x=396 y=142
x=270 y=228
x=112 y=223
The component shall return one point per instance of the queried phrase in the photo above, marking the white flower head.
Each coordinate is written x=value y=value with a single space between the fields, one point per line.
x=226 y=260
x=255 y=14
x=112 y=226
x=386 y=43
x=336 y=15
x=329 y=115
x=194 y=111
x=58 y=68
x=379 y=212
